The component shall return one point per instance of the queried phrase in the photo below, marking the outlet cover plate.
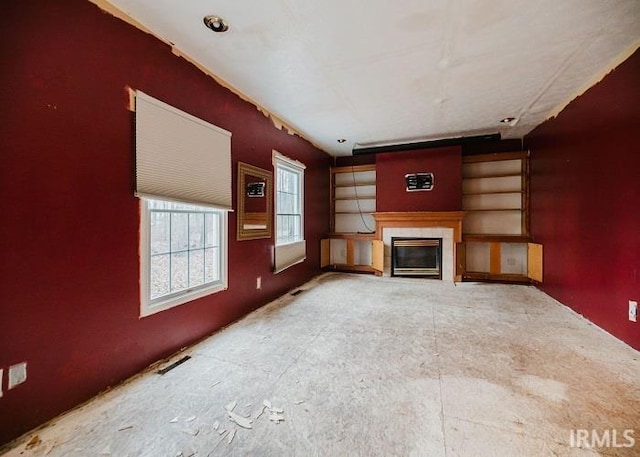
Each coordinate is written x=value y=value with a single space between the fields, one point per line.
x=633 y=311
x=17 y=374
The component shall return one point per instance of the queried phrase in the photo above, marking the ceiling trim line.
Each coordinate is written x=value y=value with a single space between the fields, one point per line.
x=613 y=64
x=399 y=147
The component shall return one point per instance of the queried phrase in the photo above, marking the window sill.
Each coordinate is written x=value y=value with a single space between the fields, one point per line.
x=148 y=309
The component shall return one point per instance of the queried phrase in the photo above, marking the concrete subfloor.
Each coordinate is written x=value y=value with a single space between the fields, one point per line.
x=367 y=366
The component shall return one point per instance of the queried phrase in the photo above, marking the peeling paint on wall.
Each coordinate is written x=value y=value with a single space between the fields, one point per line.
x=276 y=121
x=595 y=80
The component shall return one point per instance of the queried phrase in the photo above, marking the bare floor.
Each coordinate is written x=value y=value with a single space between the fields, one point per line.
x=365 y=366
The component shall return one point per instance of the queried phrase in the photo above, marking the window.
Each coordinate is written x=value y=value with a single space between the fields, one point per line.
x=183 y=178
x=288 y=204
x=183 y=253
x=289 y=183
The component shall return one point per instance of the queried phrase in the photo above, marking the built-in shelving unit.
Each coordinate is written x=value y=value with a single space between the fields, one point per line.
x=353 y=201
x=496 y=241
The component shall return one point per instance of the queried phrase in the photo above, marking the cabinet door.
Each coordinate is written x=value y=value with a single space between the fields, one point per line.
x=325 y=253
x=377 y=255
x=461 y=260
x=534 y=261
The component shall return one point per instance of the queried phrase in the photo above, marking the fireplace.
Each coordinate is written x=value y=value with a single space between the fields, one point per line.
x=446 y=225
x=416 y=257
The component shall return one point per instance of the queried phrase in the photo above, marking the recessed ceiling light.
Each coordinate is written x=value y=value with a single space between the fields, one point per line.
x=342 y=140
x=216 y=23
x=510 y=121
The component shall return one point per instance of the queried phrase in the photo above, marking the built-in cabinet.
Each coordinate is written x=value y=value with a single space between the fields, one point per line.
x=348 y=246
x=496 y=242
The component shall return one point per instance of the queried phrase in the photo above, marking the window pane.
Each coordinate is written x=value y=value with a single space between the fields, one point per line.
x=179 y=273
x=179 y=231
x=196 y=268
x=210 y=229
x=288 y=228
x=159 y=276
x=288 y=205
x=184 y=247
x=211 y=265
x=160 y=232
x=196 y=230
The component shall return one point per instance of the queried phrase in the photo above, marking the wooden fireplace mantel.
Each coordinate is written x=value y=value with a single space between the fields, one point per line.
x=428 y=219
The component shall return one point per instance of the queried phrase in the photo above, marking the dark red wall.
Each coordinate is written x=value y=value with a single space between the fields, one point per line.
x=585 y=201
x=69 y=235
x=444 y=163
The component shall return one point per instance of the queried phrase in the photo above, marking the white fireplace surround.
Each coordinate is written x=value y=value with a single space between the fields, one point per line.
x=422 y=232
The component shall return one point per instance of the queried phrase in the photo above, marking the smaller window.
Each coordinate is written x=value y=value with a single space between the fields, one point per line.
x=183 y=255
x=288 y=204
x=290 y=246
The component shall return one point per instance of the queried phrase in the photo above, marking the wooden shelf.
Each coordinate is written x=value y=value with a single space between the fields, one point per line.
x=351 y=236
x=493 y=192
x=353 y=168
x=498 y=175
x=357 y=184
x=495 y=197
x=493 y=210
x=352 y=190
x=502 y=277
x=495 y=238
x=354 y=212
x=353 y=198
x=354 y=268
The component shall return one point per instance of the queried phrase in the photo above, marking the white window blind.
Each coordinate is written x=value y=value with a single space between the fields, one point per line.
x=288 y=255
x=180 y=157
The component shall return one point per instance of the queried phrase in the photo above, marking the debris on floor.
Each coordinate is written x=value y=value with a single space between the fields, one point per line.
x=275 y=414
x=244 y=422
x=258 y=413
x=178 y=419
x=185 y=453
x=276 y=417
x=33 y=442
x=50 y=447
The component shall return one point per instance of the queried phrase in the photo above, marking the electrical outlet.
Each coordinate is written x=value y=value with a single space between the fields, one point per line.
x=259 y=282
x=633 y=311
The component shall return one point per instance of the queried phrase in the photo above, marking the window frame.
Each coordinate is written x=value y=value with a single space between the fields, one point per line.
x=298 y=169
x=290 y=252
x=150 y=306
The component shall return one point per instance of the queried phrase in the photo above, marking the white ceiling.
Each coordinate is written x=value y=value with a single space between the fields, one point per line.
x=375 y=71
